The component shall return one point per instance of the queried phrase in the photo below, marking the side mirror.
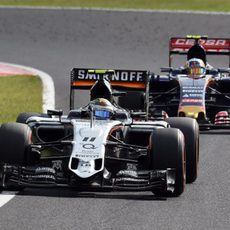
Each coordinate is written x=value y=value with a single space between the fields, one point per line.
x=55 y=112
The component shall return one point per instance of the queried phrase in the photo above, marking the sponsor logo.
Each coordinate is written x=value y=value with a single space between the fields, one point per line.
x=125 y=76
x=211 y=42
x=91 y=139
x=89 y=146
x=192 y=100
x=93 y=156
x=193 y=95
x=211 y=45
x=192 y=91
x=193 y=87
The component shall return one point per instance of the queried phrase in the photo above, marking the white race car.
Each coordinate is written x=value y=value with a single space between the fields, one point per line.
x=100 y=147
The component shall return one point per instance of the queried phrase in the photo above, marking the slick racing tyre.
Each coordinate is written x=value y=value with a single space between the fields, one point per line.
x=14 y=141
x=167 y=151
x=132 y=101
x=190 y=129
x=23 y=117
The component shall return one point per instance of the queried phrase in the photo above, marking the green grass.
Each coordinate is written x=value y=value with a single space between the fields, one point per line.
x=204 y=5
x=19 y=94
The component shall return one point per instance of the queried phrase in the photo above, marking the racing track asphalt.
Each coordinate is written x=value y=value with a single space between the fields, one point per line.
x=55 y=41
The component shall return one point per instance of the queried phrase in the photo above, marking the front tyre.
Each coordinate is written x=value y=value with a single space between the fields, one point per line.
x=14 y=142
x=167 y=151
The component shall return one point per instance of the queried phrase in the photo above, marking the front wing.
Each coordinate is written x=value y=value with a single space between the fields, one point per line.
x=124 y=180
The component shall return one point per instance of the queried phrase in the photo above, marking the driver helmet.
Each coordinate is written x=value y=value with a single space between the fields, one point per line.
x=195 y=68
x=103 y=109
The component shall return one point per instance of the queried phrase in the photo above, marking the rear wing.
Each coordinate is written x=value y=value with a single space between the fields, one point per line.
x=212 y=46
x=122 y=80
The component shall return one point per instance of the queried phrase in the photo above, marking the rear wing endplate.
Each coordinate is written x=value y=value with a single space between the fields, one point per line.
x=212 y=46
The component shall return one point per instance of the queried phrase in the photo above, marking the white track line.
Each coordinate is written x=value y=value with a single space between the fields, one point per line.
x=117 y=10
x=48 y=96
x=6 y=196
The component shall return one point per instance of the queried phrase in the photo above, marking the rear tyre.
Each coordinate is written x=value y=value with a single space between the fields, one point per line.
x=14 y=141
x=23 y=117
x=190 y=128
x=167 y=151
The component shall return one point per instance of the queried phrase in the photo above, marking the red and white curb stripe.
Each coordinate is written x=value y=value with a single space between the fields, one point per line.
x=48 y=96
